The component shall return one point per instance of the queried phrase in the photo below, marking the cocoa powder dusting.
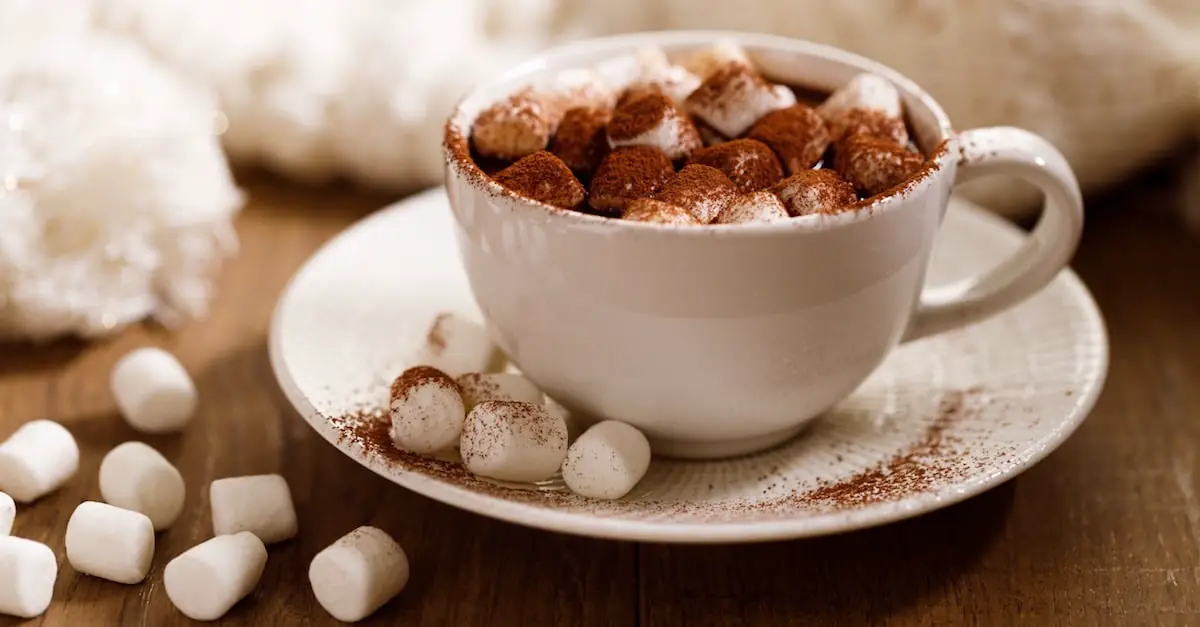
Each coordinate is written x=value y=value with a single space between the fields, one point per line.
x=581 y=141
x=639 y=113
x=816 y=191
x=749 y=163
x=700 y=189
x=797 y=134
x=858 y=121
x=545 y=178
x=418 y=376
x=875 y=165
x=629 y=173
x=658 y=212
x=714 y=93
x=512 y=128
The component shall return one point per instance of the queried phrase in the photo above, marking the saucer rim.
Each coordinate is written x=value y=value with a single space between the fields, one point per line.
x=676 y=532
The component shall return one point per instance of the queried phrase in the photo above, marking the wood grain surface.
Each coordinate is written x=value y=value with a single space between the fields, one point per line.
x=1106 y=531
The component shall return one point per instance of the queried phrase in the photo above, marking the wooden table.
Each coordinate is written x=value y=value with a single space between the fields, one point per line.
x=1106 y=531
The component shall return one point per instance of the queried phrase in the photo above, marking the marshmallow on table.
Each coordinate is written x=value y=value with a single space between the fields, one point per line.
x=356 y=575
x=457 y=345
x=427 y=410
x=260 y=504
x=513 y=441
x=734 y=97
x=478 y=387
x=606 y=461
x=760 y=206
x=8 y=513
x=153 y=391
x=136 y=477
x=209 y=578
x=28 y=570
x=36 y=459
x=109 y=542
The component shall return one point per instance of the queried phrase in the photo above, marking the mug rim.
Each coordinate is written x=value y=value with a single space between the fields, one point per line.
x=455 y=145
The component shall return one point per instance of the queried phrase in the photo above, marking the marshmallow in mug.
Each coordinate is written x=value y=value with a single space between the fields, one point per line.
x=28 y=571
x=760 y=206
x=208 y=579
x=523 y=123
x=36 y=460
x=110 y=543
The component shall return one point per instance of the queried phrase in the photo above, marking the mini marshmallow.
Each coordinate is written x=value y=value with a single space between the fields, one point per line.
x=582 y=140
x=457 y=345
x=750 y=164
x=545 y=178
x=260 y=504
x=153 y=391
x=627 y=174
x=478 y=387
x=658 y=212
x=356 y=575
x=723 y=53
x=864 y=91
x=875 y=165
x=607 y=460
x=815 y=191
x=136 y=477
x=513 y=441
x=651 y=118
x=735 y=97
x=579 y=87
x=28 y=570
x=208 y=579
x=427 y=411
x=8 y=513
x=37 y=459
x=760 y=206
x=519 y=125
x=797 y=134
x=110 y=543
x=700 y=189
x=650 y=66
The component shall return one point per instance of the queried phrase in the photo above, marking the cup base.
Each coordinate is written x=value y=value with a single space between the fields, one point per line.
x=685 y=449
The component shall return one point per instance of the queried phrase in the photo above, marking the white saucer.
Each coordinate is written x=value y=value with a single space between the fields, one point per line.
x=942 y=420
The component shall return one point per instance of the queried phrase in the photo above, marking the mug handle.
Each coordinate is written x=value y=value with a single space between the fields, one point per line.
x=1011 y=151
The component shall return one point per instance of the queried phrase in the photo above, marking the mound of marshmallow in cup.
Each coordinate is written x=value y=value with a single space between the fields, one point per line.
x=502 y=424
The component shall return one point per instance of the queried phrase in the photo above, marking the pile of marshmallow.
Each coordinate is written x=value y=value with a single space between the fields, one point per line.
x=503 y=426
x=143 y=493
x=606 y=139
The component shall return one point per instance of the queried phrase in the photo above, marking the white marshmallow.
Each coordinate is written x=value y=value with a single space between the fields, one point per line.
x=260 y=504
x=731 y=102
x=580 y=87
x=356 y=575
x=427 y=411
x=8 y=513
x=211 y=577
x=864 y=91
x=36 y=460
x=607 y=461
x=457 y=345
x=513 y=441
x=110 y=543
x=706 y=62
x=674 y=133
x=478 y=387
x=28 y=570
x=649 y=65
x=153 y=391
x=136 y=477
x=760 y=206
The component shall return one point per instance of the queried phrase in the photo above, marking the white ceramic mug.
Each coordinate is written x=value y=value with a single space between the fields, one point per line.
x=722 y=340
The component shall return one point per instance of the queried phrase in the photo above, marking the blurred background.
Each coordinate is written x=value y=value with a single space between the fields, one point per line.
x=122 y=120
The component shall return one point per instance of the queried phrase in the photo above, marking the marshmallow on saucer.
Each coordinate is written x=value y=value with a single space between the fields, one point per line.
x=37 y=459
x=208 y=579
x=28 y=570
x=734 y=96
x=427 y=411
x=457 y=345
x=356 y=575
x=478 y=387
x=607 y=461
x=513 y=441
x=153 y=391
x=136 y=477
x=760 y=206
x=260 y=504
x=815 y=191
x=110 y=543
x=648 y=117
